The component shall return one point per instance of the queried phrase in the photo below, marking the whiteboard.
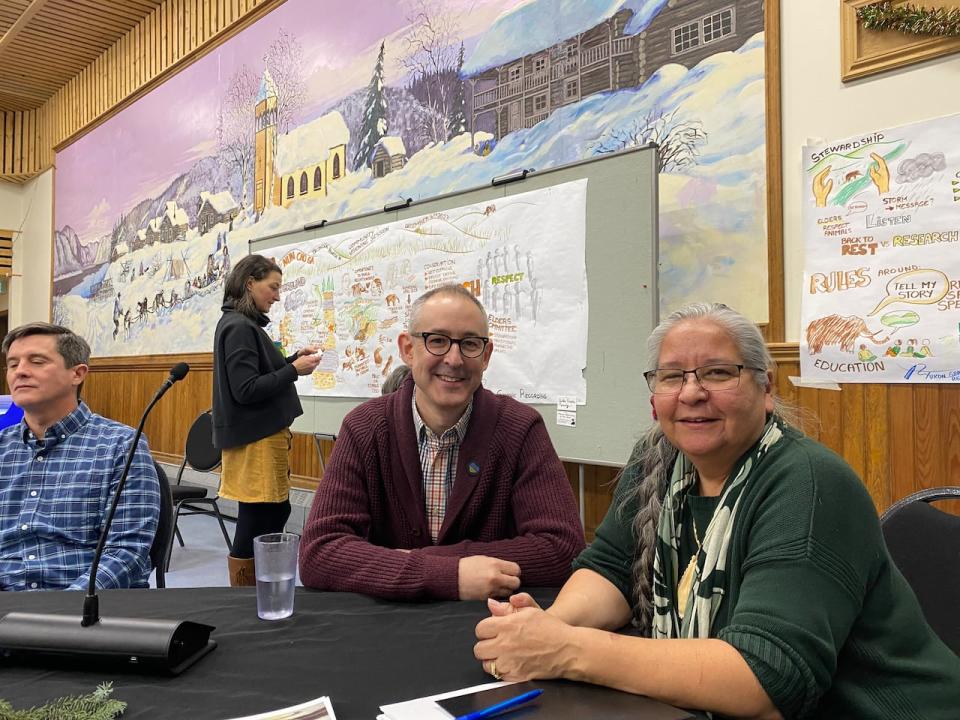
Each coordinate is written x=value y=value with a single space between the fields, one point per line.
x=621 y=262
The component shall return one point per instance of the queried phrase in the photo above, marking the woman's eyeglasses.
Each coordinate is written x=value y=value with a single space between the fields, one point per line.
x=719 y=376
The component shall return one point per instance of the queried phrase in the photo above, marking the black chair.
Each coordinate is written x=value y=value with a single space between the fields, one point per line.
x=163 y=540
x=200 y=454
x=924 y=542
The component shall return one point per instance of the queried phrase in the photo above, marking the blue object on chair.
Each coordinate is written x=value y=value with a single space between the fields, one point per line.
x=10 y=413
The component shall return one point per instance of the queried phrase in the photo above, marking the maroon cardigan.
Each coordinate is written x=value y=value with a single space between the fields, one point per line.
x=511 y=499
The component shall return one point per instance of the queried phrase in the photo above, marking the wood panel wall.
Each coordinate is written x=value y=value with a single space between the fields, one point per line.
x=20 y=145
x=898 y=438
x=171 y=36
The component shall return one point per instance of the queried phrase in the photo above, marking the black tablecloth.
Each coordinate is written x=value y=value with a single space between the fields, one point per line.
x=359 y=651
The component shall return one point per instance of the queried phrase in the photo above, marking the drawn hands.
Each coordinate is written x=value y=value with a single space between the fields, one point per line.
x=880 y=173
x=822 y=185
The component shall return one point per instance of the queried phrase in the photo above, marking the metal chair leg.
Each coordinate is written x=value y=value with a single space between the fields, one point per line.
x=176 y=519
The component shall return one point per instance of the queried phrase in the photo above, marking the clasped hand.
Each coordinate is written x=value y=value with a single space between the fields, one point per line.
x=480 y=577
x=520 y=641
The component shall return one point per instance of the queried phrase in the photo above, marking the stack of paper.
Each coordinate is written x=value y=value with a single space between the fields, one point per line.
x=426 y=708
x=318 y=709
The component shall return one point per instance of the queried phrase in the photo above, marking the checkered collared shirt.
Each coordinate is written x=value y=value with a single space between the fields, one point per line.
x=54 y=498
x=438 y=460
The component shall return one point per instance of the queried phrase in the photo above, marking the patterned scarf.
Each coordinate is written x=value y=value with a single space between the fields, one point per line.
x=707 y=592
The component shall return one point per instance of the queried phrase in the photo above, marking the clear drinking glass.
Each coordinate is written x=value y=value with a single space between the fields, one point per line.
x=275 y=558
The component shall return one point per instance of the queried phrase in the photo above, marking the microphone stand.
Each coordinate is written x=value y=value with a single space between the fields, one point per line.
x=169 y=646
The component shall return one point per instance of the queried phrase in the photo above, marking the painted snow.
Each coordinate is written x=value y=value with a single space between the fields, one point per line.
x=712 y=220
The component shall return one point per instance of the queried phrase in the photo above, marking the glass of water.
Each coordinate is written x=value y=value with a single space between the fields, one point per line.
x=275 y=557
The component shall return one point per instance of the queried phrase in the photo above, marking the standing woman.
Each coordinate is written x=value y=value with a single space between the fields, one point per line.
x=254 y=403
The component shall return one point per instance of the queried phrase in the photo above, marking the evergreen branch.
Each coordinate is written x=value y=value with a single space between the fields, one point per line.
x=95 y=706
x=909 y=18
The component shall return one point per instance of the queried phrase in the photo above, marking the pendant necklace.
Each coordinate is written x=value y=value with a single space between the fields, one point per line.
x=686 y=580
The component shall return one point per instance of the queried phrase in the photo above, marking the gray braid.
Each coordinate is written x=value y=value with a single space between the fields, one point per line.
x=652 y=460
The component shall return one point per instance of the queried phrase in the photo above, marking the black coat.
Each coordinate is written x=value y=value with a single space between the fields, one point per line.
x=254 y=395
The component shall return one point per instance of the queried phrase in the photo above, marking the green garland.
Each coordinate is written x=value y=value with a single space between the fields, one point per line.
x=910 y=19
x=96 y=706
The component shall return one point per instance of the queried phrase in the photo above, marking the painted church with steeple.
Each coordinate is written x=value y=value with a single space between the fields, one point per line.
x=299 y=164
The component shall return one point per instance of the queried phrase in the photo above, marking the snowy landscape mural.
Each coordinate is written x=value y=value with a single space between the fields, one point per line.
x=320 y=114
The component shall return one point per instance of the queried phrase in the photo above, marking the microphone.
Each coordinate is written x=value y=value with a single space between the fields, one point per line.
x=177 y=373
x=165 y=645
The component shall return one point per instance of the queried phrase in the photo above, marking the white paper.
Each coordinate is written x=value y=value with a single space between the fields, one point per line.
x=426 y=708
x=567 y=403
x=565 y=418
x=881 y=223
x=318 y=709
x=813 y=383
x=523 y=256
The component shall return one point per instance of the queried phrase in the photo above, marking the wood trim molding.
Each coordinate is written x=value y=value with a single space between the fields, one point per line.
x=775 y=328
x=867 y=52
x=784 y=352
x=139 y=363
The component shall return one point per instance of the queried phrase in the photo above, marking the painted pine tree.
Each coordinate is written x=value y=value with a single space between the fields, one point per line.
x=374 y=121
x=457 y=123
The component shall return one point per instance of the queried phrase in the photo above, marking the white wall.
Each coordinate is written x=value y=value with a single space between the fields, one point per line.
x=816 y=105
x=10 y=195
x=30 y=288
x=10 y=218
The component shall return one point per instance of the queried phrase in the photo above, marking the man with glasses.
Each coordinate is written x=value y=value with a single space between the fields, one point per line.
x=442 y=489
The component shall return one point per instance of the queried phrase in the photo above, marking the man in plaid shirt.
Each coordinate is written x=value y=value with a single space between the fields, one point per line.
x=59 y=468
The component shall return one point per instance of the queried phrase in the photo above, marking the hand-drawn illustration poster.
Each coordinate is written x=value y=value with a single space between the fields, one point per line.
x=327 y=110
x=881 y=298
x=523 y=257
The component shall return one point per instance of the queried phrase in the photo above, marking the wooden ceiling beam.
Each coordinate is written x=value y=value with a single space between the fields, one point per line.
x=10 y=35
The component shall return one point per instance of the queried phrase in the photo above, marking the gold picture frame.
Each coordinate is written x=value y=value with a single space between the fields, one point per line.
x=866 y=52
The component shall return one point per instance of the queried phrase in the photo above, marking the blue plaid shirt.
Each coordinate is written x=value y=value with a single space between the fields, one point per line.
x=54 y=499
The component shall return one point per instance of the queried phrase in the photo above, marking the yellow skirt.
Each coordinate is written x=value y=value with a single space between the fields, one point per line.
x=258 y=472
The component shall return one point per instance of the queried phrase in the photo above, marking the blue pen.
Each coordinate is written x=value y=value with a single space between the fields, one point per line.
x=502 y=706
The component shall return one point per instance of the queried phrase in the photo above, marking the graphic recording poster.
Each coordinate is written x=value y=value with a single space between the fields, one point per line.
x=522 y=256
x=881 y=219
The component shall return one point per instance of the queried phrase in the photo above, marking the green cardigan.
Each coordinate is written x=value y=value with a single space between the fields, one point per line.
x=813 y=602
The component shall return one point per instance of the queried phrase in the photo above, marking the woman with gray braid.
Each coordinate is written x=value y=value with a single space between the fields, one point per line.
x=748 y=557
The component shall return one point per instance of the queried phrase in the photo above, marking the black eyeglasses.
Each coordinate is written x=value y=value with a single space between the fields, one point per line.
x=439 y=344
x=721 y=376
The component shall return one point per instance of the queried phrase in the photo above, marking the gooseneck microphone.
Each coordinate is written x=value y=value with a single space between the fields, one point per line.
x=166 y=645
x=91 y=611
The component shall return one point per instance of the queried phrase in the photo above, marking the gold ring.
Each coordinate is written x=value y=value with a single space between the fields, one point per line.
x=493 y=670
